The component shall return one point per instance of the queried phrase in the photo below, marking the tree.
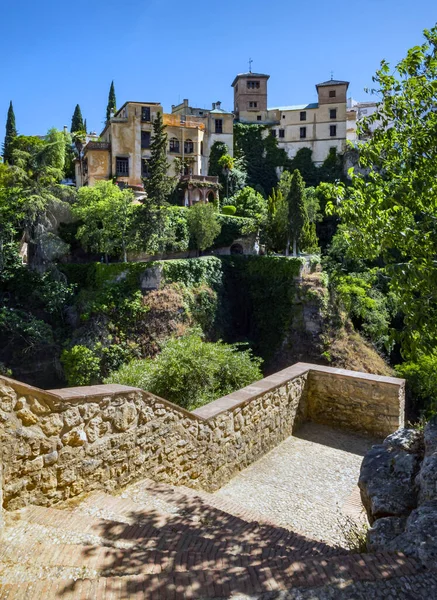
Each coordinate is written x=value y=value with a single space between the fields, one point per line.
x=332 y=167
x=77 y=123
x=203 y=225
x=107 y=215
x=260 y=154
x=112 y=102
x=303 y=161
x=235 y=177
x=297 y=215
x=249 y=203
x=389 y=212
x=158 y=185
x=11 y=133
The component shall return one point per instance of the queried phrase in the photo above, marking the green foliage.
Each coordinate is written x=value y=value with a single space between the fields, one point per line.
x=112 y=102
x=23 y=330
x=77 y=123
x=81 y=366
x=191 y=372
x=303 y=162
x=107 y=214
x=229 y=210
x=250 y=204
x=332 y=167
x=235 y=178
x=233 y=228
x=203 y=225
x=11 y=133
x=389 y=210
x=218 y=150
x=260 y=154
x=226 y=162
x=421 y=376
x=193 y=272
x=297 y=215
x=158 y=185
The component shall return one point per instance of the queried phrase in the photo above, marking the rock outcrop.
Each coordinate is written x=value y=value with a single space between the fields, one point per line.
x=398 y=483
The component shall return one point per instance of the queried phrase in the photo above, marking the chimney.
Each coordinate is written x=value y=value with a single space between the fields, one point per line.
x=65 y=129
x=213 y=106
x=186 y=102
x=218 y=104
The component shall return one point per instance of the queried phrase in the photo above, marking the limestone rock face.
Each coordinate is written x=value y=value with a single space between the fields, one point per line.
x=387 y=481
x=420 y=536
x=384 y=531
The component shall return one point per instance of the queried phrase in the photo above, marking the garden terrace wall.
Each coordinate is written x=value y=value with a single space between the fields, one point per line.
x=57 y=444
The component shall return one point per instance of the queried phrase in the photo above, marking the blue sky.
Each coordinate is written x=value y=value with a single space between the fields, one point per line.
x=56 y=54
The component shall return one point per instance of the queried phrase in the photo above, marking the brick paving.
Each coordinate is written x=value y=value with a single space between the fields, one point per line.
x=169 y=543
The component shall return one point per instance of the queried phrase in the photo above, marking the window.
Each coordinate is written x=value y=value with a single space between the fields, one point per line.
x=188 y=147
x=174 y=145
x=145 y=139
x=303 y=132
x=219 y=125
x=145 y=113
x=332 y=113
x=283 y=116
x=201 y=148
x=273 y=132
x=253 y=104
x=303 y=115
x=332 y=93
x=144 y=168
x=258 y=118
x=253 y=85
x=122 y=166
x=282 y=133
x=333 y=130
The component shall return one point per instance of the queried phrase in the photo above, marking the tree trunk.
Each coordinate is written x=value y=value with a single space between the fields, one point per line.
x=287 y=247
x=294 y=247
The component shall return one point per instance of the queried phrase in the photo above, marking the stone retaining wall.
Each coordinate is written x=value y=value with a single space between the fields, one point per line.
x=61 y=443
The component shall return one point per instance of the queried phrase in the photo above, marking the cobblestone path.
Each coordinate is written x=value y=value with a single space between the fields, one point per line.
x=156 y=541
x=308 y=483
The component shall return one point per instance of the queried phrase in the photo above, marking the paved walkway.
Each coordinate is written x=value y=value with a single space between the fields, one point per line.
x=308 y=483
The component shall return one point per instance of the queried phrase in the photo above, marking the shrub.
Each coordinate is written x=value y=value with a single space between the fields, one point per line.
x=421 y=377
x=191 y=372
x=229 y=210
x=81 y=366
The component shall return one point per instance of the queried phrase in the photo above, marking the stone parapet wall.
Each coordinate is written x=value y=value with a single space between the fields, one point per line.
x=357 y=401
x=58 y=444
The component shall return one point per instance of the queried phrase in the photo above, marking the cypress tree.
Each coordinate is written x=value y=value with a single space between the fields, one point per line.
x=84 y=126
x=112 y=103
x=77 y=123
x=297 y=214
x=11 y=133
x=158 y=185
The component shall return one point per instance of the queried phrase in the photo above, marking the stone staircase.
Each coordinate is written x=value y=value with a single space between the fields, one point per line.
x=165 y=542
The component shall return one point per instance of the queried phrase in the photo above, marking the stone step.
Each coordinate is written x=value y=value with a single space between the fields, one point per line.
x=173 y=536
x=197 y=517
x=220 y=583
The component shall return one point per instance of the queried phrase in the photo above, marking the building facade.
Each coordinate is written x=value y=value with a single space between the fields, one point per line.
x=319 y=126
x=123 y=150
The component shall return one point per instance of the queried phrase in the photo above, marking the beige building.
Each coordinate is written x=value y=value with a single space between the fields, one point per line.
x=319 y=126
x=123 y=149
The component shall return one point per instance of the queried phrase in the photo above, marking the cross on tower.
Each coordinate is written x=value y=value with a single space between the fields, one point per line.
x=250 y=65
x=332 y=75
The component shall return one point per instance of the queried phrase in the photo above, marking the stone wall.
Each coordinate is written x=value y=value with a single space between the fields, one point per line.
x=58 y=444
x=357 y=401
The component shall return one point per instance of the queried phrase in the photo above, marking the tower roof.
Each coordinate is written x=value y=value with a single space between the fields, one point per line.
x=246 y=75
x=332 y=82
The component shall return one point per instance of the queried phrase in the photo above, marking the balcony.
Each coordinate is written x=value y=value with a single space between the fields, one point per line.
x=182 y=121
x=200 y=178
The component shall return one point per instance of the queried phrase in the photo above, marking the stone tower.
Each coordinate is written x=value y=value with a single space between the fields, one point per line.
x=250 y=94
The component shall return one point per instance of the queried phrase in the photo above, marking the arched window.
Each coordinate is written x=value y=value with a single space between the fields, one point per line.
x=174 y=144
x=188 y=147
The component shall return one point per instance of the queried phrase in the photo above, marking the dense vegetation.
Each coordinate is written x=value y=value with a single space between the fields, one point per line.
x=81 y=306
